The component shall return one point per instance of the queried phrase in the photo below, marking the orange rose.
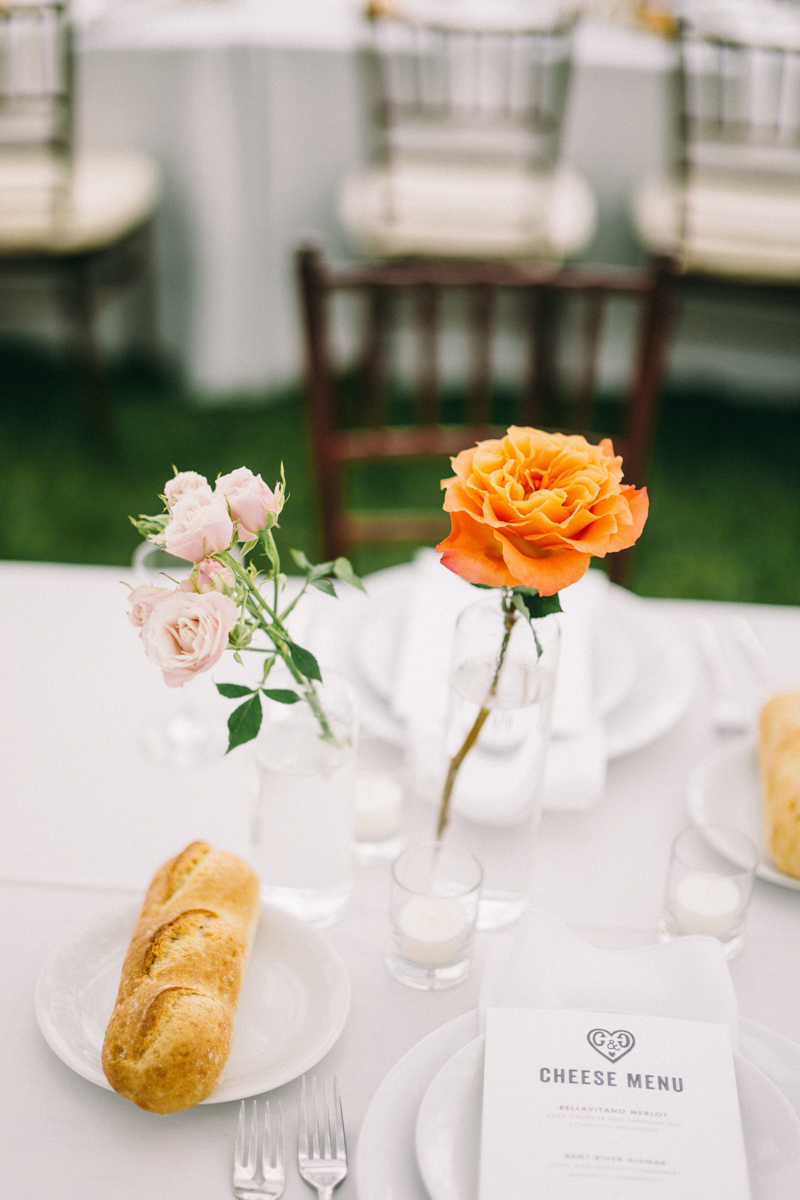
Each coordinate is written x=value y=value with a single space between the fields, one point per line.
x=532 y=508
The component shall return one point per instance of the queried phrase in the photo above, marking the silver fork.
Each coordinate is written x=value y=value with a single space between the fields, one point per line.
x=326 y=1166
x=252 y=1181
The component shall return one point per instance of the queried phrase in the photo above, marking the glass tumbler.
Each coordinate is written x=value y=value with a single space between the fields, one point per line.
x=709 y=885
x=434 y=908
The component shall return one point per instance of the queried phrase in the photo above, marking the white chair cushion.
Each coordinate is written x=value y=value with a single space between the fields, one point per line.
x=746 y=228
x=468 y=211
x=110 y=193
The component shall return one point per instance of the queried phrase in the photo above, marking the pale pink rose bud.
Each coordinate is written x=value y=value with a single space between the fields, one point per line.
x=208 y=576
x=187 y=633
x=142 y=601
x=200 y=526
x=184 y=484
x=249 y=499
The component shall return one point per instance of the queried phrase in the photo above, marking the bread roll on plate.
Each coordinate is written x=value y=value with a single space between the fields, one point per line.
x=169 y=1037
x=779 y=739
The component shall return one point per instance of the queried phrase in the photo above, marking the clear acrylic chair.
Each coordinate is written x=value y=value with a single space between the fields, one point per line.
x=466 y=113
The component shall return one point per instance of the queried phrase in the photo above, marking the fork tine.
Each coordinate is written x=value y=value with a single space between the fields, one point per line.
x=252 y=1149
x=266 y=1149
x=326 y=1097
x=239 y=1152
x=315 y=1109
x=341 y=1144
x=302 y=1123
x=279 y=1139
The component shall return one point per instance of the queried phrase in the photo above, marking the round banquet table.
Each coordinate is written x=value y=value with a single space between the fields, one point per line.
x=88 y=816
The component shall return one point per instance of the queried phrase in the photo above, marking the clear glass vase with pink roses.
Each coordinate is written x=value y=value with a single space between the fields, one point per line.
x=237 y=598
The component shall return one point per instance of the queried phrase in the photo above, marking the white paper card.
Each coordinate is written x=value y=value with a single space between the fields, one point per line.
x=604 y=1106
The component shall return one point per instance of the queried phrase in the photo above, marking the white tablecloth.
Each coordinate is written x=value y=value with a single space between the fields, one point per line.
x=83 y=805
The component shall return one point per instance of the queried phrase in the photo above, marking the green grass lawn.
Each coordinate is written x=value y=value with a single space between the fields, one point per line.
x=724 y=490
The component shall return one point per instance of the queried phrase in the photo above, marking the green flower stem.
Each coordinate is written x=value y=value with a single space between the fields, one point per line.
x=255 y=603
x=510 y=617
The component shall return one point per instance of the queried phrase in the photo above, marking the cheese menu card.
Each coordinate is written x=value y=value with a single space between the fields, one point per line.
x=604 y=1106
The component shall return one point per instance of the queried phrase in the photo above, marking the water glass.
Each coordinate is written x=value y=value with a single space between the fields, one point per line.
x=709 y=885
x=434 y=908
x=302 y=821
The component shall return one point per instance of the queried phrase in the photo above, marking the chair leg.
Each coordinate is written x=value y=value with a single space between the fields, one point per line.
x=79 y=305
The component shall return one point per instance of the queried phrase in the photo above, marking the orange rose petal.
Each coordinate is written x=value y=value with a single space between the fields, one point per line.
x=639 y=504
x=473 y=552
x=547 y=573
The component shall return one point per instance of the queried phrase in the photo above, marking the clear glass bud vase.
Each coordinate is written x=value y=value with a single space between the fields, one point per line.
x=302 y=820
x=496 y=802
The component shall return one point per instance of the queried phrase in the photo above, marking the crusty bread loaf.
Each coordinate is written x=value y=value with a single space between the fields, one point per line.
x=779 y=737
x=169 y=1037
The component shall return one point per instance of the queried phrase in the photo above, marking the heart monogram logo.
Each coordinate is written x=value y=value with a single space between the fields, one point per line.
x=612 y=1046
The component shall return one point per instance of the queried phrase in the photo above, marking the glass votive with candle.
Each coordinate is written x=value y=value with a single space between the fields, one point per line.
x=709 y=885
x=434 y=907
x=378 y=816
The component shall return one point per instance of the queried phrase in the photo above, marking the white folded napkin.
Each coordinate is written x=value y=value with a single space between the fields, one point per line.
x=576 y=767
x=544 y=965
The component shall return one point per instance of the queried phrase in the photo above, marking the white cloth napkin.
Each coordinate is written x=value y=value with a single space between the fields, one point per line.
x=544 y=965
x=576 y=767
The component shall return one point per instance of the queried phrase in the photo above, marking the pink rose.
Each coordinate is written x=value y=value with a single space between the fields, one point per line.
x=208 y=576
x=142 y=601
x=186 y=633
x=186 y=483
x=249 y=499
x=199 y=526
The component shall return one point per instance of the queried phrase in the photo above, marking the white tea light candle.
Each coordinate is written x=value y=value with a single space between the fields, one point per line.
x=707 y=904
x=432 y=930
x=378 y=806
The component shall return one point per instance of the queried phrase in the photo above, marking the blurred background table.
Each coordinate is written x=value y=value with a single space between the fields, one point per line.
x=253 y=109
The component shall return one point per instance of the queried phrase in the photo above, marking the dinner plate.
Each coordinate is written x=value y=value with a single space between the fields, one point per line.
x=293 y=1006
x=726 y=789
x=447 y=1132
x=386 y=1163
x=644 y=666
x=380 y=633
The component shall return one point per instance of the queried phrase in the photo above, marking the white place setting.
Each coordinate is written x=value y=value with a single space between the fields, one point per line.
x=90 y=814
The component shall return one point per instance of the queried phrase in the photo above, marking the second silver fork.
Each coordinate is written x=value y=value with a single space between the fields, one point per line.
x=258 y=1176
x=321 y=1148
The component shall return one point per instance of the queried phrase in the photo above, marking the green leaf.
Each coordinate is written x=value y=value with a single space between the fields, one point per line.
x=304 y=661
x=248 y=546
x=282 y=695
x=301 y=560
x=232 y=691
x=529 y=602
x=238 y=658
x=320 y=570
x=487 y=587
x=244 y=722
x=343 y=570
x=323 y=585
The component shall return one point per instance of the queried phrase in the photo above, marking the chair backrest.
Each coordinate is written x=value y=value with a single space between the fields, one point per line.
x=739 y=105
x=412 y=389
x=35 y=106
x=461 y=92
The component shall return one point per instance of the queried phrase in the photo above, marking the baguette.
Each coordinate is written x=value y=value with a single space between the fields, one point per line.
x=169 y=1037
x=779 y=738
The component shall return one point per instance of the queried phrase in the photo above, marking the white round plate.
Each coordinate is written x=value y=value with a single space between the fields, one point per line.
x=386 y=1162
x=726 y=789
x=665 y=682
x=294 y=1002
x=447 y=1133
x=645 y=668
